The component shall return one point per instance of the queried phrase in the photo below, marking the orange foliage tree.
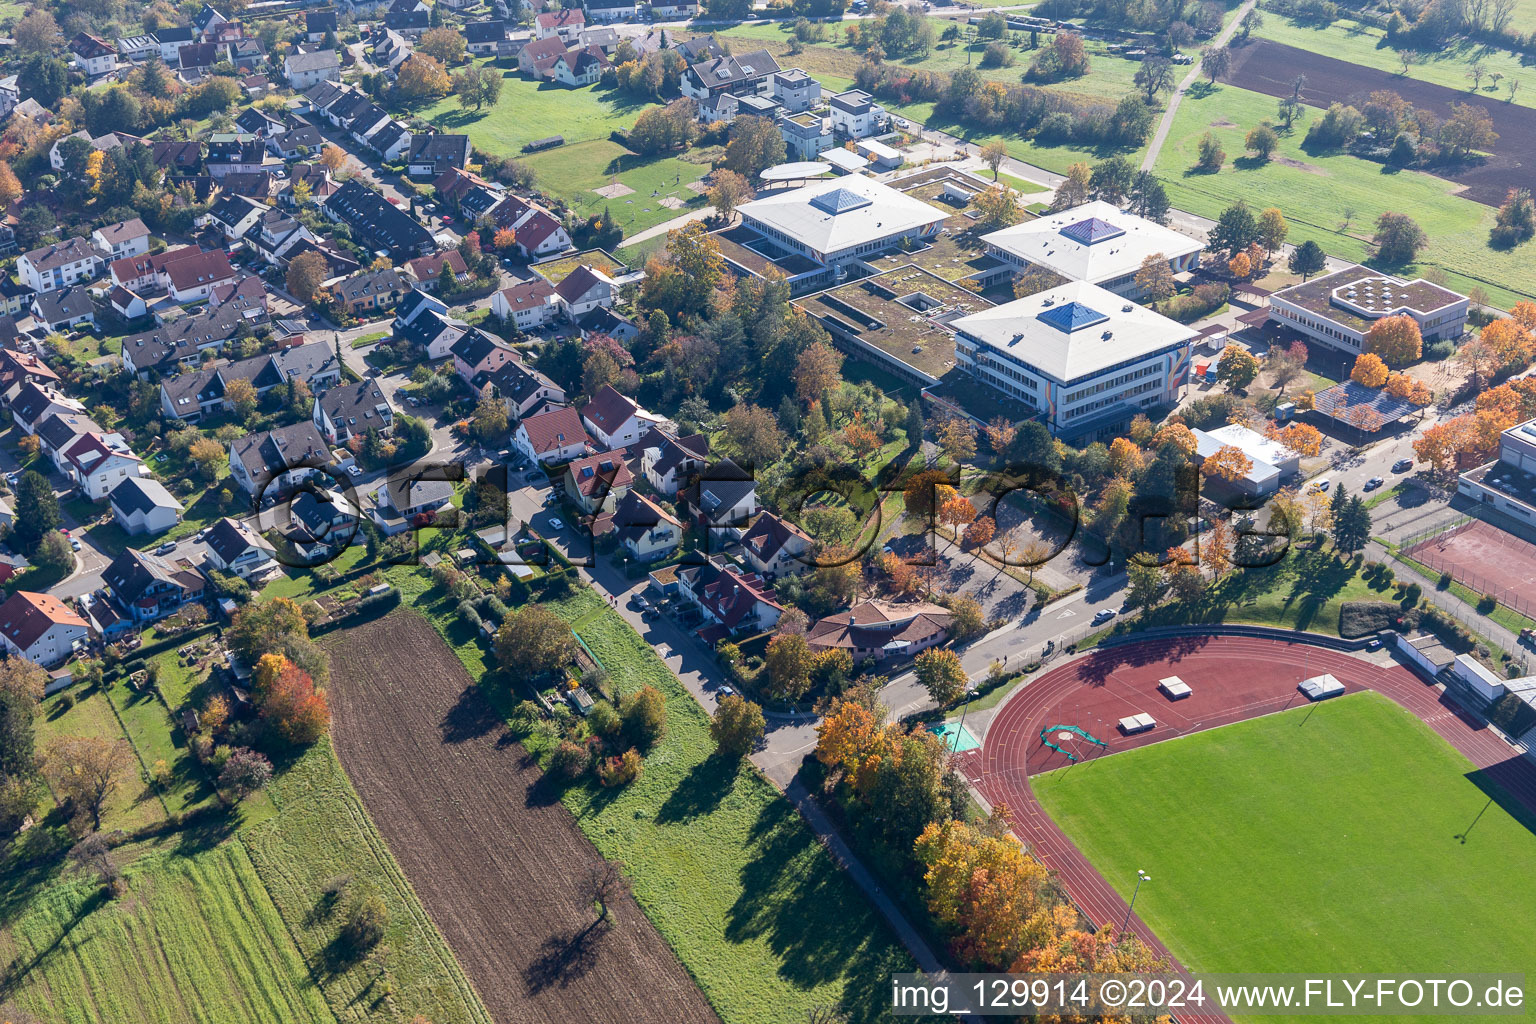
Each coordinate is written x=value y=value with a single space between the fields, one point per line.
x=1369 y=370
x=980 y=532
x=290 y=705
x=1228 y=463
x=1509 y=343
x=1301 y=438
x=1395 y=339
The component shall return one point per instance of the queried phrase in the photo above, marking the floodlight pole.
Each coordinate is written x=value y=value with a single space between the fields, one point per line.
x=955 y=747
x=1141 y=876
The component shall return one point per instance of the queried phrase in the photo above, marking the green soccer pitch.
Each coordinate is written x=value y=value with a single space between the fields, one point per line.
x=1326 y=838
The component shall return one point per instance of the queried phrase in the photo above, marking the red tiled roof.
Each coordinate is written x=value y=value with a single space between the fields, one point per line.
x=25 y=617
x=528 y=293
x=538 y=228
x=562 y=19
x=427 y=268
x=554 y=429
x=600 y=473
x=207 y=266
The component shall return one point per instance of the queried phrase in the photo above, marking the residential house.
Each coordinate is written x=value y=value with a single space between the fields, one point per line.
x=528 y=304
x=400 y=504
x=576 y=68
x=92 y=55
x=522 y=389
x=668 y=463
x=722 y=500
x=614 y=419
x=604 y=38
x=141 y=504
x=390 y=140
x=552 y=437
x=477 y=352
x=99 y=462
x=133 y=49
x=177 y=157
x=320 y=523
x=608 y=11
x=33 y=401
x=351 y=410
x=58 y=265
x=484 y=37
x=676 y=10
x=433 y=332
x=65 y=309
x=535 y=59
x=411 y=17
x=566 y=25
x=319 y=24
x=795 y=90
x=426 y=271
x=775 y=546
x=392 y=49
x=171 y=40
x=433 y=154
x=146 y=587
x=234 y=547
x=856 y=115
x=234 y=216
x=15 y=298
x=125 y=238
x=193 y=278
x=376 y=224
x=740 y=75
x=273 y=461
x=235 y=153
x=880 y=630
x=18 y=368
x=646 y=530
x=213 y=27
x=597 y=482
x=127 y=304
x=296 y=144
x=372 y=291
x=39 y=628
x=733 y=603
x=195 y=60
x=181 y=342
x=584 y=289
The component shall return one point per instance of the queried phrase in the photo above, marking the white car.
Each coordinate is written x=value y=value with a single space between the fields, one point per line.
x=556 y=523
x=1104 y=615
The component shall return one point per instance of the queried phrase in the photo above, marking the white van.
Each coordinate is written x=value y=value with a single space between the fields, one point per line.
x=1322 y=483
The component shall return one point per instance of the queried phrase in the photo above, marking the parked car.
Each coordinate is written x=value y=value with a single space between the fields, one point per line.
x=727 y=691
x=1402 y=465
x=166 y=548
x=641 y=603
x=1104 y=615
x=556 y=523
x=74 y=542
x=1320 y=484
x=1373 y=483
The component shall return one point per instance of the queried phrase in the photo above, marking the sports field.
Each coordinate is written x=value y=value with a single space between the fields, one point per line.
x=1339 y=837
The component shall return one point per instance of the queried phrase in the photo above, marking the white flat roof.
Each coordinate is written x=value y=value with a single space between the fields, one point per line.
x=1074 y=330
x=1324 y=685
x=840 y=213
x=844 y=160
x=878 y=149
x=1094 y=242
x=1137 y=723
x=1253 y=444
x=1173 y=686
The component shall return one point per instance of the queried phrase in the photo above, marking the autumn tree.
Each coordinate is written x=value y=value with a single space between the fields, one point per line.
x=505 y=240
x=1073 y=190
x=477 y=85
x=845 y=734
x=993 y=154
x=754 y=433
x=1227 y=462
x=1000 y=434
x=245 y=772
x=241 y=394
x=533 y=641
x=939 y=672
x=444 y=44
x=1262 y=140
x=1216 y=549
x=22 y=678
x=984 y=889
x=957 y=439
x=86 y=770
x=817 y=371
x=728 y=191
x=926 y=492
x=1369 y=370
x=1509 y=342
x=1125 y=458
x=1395 y=339
x=1240 y=266
x=996 y=207
x=1272 y=229
x=1178 y=435
x=1154 y=280
x=979 y=533
x=10 y=186
x=738 y=725
x=1237 y=367
x=862 y=438
x=788 y=662
x=208 y=455
x=756 y=144
x=1301 y=438
x=422 y=77
x=956 y=512
x=333 y=158
x=1211 y=155
x=1398 y=238
x=306 y=274
x=292 y=707
x=644 y=715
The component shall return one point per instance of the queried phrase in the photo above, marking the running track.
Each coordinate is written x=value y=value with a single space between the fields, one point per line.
x=1234 y=678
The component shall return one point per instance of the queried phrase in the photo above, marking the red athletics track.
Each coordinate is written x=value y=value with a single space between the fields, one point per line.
x=1233 y=678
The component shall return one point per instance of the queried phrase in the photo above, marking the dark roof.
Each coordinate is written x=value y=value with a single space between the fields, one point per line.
x=320 y=21
x=229 y=539
x=141 y=494
x=485 y=31
x=727 y=71
x=721 y=486
x=440 y=149
x=373 y=282
x=356 y=406
x=180 y=338
x=65 y=304
x=59 y=254
x=380 y=223
x=134 y=572
x=475 y=346
x=282 y=448
x=609 y=409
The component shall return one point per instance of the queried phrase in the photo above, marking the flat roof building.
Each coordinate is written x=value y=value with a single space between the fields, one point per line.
x=1338 y=309
x=1271 y=460
x=1094 y=243
x=842 y=219
x=1085 y=358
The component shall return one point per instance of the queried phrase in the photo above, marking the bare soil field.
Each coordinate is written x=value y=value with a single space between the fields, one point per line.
x=498 y=862
x=1269 y=67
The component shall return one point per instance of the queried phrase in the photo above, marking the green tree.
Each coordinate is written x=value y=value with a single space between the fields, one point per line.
x=1307 y=259
x=645 y=717
x=37 y=511
x=533 y=641
x=1235 y=230
x=738 y=725
x=1398 y=239
x=940 y=673
x=1145 y=583
x=756 y=144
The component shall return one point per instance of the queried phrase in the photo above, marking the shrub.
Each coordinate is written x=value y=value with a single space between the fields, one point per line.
x=1444 y=582
x=621 y=770
x=468 y=614
x=1487 y=603
x=366 y=923
x=494 y=609
x=1362 y=618
x=570 y=760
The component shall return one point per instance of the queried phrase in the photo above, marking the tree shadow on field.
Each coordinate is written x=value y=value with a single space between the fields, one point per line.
x=563 y=959
x=470 y=717
x=701 y=792
x=1499 y=782
x=205 y=830
x=799 y=910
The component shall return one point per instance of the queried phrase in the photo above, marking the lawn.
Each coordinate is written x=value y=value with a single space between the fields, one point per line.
x=155 y=738
x=733 y=879
x=195 y=938
x=1366 y=45
x=133 y=804
x=1315 y=191
x=1342 y=837
x=589 y=159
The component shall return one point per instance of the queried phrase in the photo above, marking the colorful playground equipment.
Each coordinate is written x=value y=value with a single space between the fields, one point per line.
x=1046 y=733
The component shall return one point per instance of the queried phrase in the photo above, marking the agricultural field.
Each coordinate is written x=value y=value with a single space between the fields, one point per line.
x=1367 y=46
x=194 y=938
x=770 y=926
x=1333 y=199
x=1358 y=837
x=493 y=854
x=589 y=159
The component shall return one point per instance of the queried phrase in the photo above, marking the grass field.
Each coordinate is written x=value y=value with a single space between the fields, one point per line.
x=1325 y=838
x=1366 y=45
x=1316 y=190
x=589 y=159
x=769 y=926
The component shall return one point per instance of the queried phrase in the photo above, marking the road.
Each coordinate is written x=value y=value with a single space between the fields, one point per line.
x=1161 y=135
